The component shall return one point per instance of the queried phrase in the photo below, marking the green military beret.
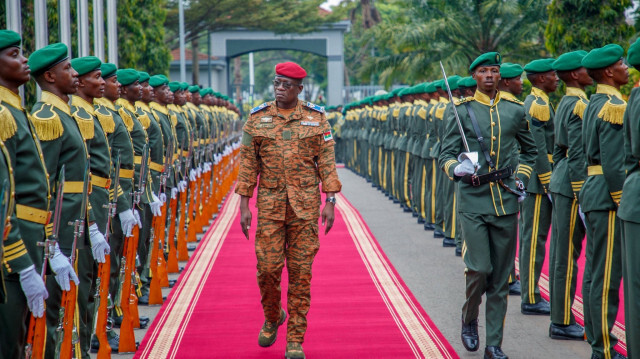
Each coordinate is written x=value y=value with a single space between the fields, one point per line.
x=9 y=38
x=108 y=69
x=439 y=84
x=204 y=92
x=47 y=57
x=420 y=88
x=405 y=91
x=466 y=82
x=184 y=86
x=174 y=86
x=569 y=61
x=486 y=59
x=603 y=56
x=127 y=76
x=431 y=87
x=158 y=80
x=84 y=65
x=539 y=66
x=194 y=88
x=144 y=76
x=633 y=54
x=396 y=92
x=509 y=70
x=453 y=82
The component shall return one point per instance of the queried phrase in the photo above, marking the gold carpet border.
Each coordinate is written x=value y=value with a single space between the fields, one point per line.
x=410 y=321
x=165 y=340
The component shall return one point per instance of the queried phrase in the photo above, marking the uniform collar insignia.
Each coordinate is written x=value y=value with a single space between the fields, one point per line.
x=10 y=97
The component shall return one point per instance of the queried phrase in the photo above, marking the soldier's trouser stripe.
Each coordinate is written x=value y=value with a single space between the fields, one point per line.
x=369 y=162
x=422 y=189
x=607 y=283
x=570 y=267
x=532 y=252
x=433 y=191
x=406 y=179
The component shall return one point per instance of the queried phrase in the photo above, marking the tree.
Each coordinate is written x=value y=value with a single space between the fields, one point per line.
x=584 y=25
x=455 y=32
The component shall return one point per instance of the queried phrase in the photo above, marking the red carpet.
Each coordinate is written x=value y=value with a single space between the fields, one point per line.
x=360 y=307
x=618 y=328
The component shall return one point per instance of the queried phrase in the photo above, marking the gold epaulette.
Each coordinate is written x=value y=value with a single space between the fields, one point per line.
x=85 y=124
x=47 y=123
x=8 y=126
x=540 y=111
x=144 y=120
x=422 y=113
x=126 y=118
x=613 y=112
x=439 y=113
x=463 y=100
x=106 y=119
x=512 y=99
x=579 y=108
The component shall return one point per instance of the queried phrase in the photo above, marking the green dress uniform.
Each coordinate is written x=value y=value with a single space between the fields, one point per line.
x=568 y=229
x=535 y=213
x=63 y=143
x=428 y=203
x=442 y=193
x=448 y=187
x=629 y=213
x=488 y=212
x=599 y=198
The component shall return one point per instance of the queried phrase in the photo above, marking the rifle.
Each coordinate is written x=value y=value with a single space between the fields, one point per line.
x=102 y=301
x=37 y=332
x=67 y=331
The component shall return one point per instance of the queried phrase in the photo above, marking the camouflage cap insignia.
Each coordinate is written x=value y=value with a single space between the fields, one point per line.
x=258 y=108
x=315 y=107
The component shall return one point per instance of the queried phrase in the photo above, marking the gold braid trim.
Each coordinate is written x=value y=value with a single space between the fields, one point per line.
x=106 y=121
x=579 y=108
x=47 y=123
x=144 y=121
x=126 y=118
x=85 y=125
x=174 y=119
x=539 y=111
x=613 y=113
x=8 y=126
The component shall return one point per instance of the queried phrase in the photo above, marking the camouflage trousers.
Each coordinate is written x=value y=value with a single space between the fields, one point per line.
x=296 y=241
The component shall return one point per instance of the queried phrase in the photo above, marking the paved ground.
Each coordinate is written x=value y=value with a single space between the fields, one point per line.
x=436 y=278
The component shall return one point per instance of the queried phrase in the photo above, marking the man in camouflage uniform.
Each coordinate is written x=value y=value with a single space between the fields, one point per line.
x=288 y=199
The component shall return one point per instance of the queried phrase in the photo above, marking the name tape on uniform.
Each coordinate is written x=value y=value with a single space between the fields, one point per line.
x=310 y=123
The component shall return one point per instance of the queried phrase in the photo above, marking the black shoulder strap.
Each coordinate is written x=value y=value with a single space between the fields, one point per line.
x=476 y=129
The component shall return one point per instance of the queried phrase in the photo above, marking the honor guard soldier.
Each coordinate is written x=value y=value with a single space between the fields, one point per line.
x=488 y=194
x=535 y=212
x=63 y=145
x=431 y=163
x=569 y=172
x=600 y=196
x=447 y=187
x=629 y=213
x=22 y=167
x=288 y=143
x=437 y=132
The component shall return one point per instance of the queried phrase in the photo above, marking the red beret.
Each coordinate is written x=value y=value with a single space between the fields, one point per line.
x=291 y=70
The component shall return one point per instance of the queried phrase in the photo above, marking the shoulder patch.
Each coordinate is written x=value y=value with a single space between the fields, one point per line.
x=613 y=112
x=463 y=100
x=314 y=107
x=85 y=123
x=540 y=110
x=8 y=126
x=47 y=123
x=579 y=108
x=260 y=108
x=105 y=117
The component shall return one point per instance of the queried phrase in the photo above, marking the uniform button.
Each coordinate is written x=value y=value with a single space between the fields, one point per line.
x=491 y=110
x=493 y=153
x=492 y=184
x=493 y=138
x=493 y=123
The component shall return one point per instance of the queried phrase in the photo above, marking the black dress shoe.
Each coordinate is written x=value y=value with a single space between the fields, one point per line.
x=493 y=352
x=448 y=242
x=469 y=335
x=429 y=226
x=420 y=220
x=566 y=332
x=515 y=288
x=114 y=341
x=172 y=282
x=414 y=214
x=144 y=322
x=144 y=300
x=458 y=252
x=540 y=308
x=438 y=233
x=406 y=209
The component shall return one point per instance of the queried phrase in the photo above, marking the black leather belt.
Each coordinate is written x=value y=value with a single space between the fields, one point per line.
x=494 y=176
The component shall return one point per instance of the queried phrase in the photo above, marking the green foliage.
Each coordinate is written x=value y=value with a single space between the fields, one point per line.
x=454 y=32
x=583 y=25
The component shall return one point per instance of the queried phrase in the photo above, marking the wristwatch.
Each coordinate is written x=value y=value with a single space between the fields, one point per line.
x=330 y=200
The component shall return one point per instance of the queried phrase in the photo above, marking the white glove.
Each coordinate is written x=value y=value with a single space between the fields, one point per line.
x=136 y=215
x=199 y=171
x=163 y=197
x=207 y=167
x=61 y=266
x=34 y=289
x=550 y=198
x=464 y=168
x=156 y=205
x=182 y=186
x=174 y=193
x=521 y=198
x=193 y=175
x=99 y=245
x=581 y=214
x=128 y=220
